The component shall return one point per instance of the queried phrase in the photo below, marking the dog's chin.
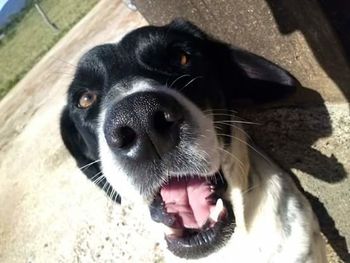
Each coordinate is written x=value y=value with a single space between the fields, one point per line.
x=196 y=217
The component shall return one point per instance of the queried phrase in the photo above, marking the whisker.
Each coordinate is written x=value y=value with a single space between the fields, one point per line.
x=62 y=73
x=235 y=121
x=63 y=61
x=222 y=114
x=240 y=163
x=235 y=127
x=182 y=76
x=219 y=110
x=110 y=192
x=107 y=193
x=218 y=114
x=250 y=146
x=113 y=195
x=188 y=83
x=89 y=164
x=221 y=176
x=98 y=179
x=250 y=188
x=104 y=185
x=93 y=178
x=209 y=113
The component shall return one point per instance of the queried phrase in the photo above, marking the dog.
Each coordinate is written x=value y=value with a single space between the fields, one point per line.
x=153 y=118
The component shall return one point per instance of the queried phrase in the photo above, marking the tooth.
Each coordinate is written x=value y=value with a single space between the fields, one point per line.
x=216 y=211
x=173 y=231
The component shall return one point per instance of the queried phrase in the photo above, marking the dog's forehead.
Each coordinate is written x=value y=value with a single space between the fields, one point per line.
x=151 y=43
x=151 y=35
x=103 y=59
x=142 y=36
x=138 y=53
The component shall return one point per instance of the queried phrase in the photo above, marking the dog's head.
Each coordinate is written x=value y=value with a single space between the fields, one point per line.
x=149 y=108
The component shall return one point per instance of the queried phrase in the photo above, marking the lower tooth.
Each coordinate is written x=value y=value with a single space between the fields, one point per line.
x=216 y=211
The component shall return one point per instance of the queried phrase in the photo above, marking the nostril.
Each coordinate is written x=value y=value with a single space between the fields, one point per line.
x=124 y=137
x=164 y=120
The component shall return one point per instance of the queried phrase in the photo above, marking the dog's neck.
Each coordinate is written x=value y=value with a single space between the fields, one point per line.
x=252 y=175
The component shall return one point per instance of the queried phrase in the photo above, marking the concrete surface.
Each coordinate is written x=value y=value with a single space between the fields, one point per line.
x=49 y=212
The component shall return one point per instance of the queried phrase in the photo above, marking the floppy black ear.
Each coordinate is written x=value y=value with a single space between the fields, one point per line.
x=262 y=79
x=78 y=149
x=249 y=76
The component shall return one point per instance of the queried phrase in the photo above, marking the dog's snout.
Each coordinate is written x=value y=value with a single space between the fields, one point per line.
x=144 y=126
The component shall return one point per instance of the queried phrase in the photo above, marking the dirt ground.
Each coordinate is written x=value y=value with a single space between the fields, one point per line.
x=49 y=212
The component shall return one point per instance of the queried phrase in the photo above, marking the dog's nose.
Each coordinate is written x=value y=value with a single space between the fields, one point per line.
x=144 y=126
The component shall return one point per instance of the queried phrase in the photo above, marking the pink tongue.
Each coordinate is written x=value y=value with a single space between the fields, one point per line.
x=187 y=199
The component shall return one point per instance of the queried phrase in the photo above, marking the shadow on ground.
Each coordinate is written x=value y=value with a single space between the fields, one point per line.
x=299 y=15
x=287 y=131
x=306 y=16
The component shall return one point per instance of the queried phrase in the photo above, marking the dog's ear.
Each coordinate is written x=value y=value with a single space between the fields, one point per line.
x=261 y=79
x=78 y=149
x=251 y=76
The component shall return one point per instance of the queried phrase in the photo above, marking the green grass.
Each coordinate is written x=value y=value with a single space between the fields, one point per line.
x=29 y=39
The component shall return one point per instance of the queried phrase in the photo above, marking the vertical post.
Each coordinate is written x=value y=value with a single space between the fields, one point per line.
x=46 y=19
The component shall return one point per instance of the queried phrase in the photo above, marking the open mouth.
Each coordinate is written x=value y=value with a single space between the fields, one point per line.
x=197 y=218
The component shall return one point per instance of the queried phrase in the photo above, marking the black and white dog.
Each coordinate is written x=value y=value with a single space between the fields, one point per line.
x=154 y=115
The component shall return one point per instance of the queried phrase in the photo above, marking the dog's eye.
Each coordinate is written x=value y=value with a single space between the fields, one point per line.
x=87 y=99
x=184 y=59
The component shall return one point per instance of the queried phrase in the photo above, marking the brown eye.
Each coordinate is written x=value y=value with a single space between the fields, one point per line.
x=87 y=99
x=184 y=59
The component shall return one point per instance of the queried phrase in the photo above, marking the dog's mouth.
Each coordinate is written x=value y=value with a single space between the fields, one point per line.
x=197 y=218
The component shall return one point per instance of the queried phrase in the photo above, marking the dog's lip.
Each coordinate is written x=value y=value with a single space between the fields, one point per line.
x=206 y=241
x=200 y=242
